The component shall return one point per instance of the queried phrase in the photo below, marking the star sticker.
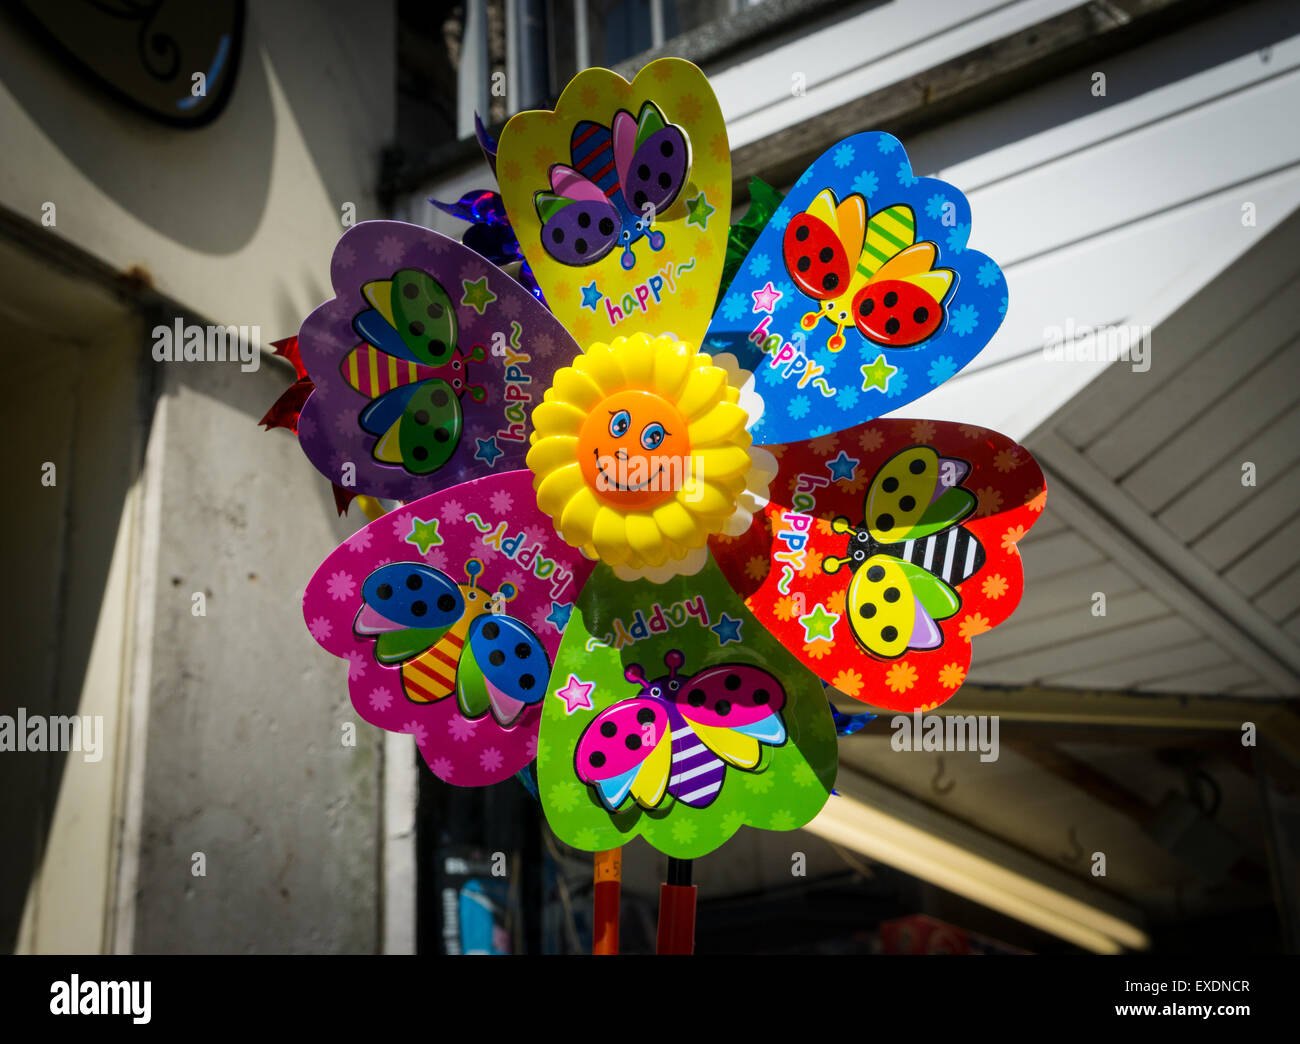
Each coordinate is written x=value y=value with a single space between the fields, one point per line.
x=765 y=300
x=591 y=296
x=488 y=451
x=699 y=211
x=576 y=694
x=819 y=624
x=477 y=295
x=877 y=374
x=559 y=616
x=424 y=535
x=727 y=629
x=842 y=467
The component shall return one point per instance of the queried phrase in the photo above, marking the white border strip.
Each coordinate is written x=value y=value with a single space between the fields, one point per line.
x=145 y=546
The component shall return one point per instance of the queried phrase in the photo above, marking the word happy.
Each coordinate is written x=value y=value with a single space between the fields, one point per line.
x=528 y=556
x=795 y=538
x=59 y=732
x=676 y=615
x=805 y=486
x=640 y=296
x=791 y=356
x=191 y=343
x=516 y=396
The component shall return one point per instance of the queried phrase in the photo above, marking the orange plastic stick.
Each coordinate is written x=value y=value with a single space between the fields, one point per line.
x=608 y=868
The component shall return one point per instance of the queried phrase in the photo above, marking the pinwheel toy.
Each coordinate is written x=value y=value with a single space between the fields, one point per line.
x=641 y=526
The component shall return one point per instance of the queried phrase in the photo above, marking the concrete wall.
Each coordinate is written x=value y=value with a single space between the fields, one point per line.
x=245 y=757
x=225 y=729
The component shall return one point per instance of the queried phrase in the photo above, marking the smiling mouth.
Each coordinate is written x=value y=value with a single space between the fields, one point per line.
x=618 y=485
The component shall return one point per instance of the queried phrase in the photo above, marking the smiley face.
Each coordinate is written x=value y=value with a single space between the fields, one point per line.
x=634 y=449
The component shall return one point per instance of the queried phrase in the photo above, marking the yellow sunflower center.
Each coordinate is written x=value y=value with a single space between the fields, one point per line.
x=639 y=451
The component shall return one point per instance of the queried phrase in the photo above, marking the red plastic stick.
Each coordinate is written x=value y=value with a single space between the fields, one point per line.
x=677 y=910
x=608 y=872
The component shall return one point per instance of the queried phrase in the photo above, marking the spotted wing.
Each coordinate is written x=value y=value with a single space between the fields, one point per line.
x=411 y=317
x=734 y=709
x=893 y=606
x=819 y=244
x=627 y=749
x=417 y=426
x=407 y=607
x=652 y=166
x=578 y=231
x=915 y=493
x=903 y=302
x=503 y=668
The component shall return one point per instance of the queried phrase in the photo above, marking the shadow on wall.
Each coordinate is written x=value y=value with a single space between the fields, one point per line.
x=171 y=179
x=208 y=187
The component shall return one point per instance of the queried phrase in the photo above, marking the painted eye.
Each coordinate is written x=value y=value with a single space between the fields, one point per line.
x=619 y=423
x=652 y=435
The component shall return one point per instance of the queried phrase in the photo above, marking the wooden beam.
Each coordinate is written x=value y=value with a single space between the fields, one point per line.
x=1048 y=705
x=1080 y=774
x=1088 y=500
x=1277 y=722
x=977 y=78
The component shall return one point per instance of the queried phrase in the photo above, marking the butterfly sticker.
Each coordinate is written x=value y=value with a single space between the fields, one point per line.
x=412 y=370
x=909 y=553
x=732 y=731
x=862 y=292
x=871 y=273
x=620 y=198
x=885 y=550
x=450 y=637
x=434 y=650
x=622 y=175
x=677 y=737
x=422 y=364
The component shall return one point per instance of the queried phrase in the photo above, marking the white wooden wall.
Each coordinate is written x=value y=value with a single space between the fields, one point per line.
x=872 y=48
x=1127 y=209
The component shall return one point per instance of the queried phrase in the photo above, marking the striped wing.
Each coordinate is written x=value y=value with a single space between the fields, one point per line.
x=889 y=232
x=592 y=149
x=952 y=555
x=373 y=373
x=432 y=675
x=696 y=773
